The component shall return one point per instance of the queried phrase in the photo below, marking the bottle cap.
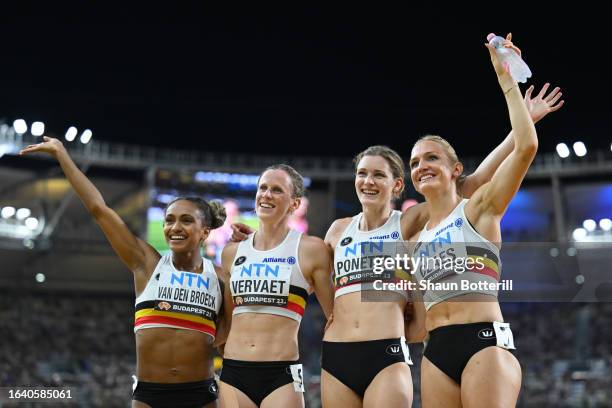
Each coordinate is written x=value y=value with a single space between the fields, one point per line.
x=490 y=36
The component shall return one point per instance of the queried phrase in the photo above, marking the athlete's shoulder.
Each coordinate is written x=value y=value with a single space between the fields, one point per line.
x=314 y=254
x=336 y=230
x=413 y=219
x=229 y=252
x=312 y=244
x=231 y=247
x=218 y=271
x=416 y=211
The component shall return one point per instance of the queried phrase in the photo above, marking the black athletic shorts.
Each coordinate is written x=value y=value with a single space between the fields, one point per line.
x=258 y=379
x=450 y=347
x=179 y=395
x=356 y=363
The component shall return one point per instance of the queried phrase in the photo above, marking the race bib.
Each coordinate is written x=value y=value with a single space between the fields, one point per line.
x=186 y=292
x=504 y=335
x=261 y=286
x=406 y=350
x=297 y=372
x=368 y=261
x=440 y=256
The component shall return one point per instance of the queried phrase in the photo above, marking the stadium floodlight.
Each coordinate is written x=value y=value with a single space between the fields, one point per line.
x=71 y=133
x=589 y=225
x=38 y=129
x=40 y=277
x=20 y=126
x=23 y=213
x=580 y=149
x=579 y=234
x=7 y=212
x=562 y=150
x=86 y=136
x=605 y=224
x=31 y=223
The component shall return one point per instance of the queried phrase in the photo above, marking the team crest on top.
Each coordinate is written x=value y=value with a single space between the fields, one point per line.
x=395 y=235
x=291 y=260
x=458 y=222
x=240 y=260
x=346 y=241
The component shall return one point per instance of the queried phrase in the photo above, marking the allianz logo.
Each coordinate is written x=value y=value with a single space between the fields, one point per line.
x=274 y=259
x=380 y=237
x=290 y=260
x=486 y=334
x=394 y=235
x=444 y=228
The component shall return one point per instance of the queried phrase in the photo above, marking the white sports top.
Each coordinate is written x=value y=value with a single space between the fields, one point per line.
x=355 y=254
x=179 y=299
x=455 y=260
x=269 y=281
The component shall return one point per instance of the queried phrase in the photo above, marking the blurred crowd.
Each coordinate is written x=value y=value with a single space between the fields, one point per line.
x=86 y=343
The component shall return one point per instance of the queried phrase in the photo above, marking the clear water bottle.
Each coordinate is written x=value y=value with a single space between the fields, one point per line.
x=507 y=56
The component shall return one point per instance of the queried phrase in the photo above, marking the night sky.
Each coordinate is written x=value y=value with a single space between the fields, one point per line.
x=324 y=81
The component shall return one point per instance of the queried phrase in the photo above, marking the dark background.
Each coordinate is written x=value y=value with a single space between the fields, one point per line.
x=319 y=81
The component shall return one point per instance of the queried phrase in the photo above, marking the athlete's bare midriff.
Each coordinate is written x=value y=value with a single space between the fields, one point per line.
x=355 y=319
x=469 y=308
x=262 y=337
x=167 y=355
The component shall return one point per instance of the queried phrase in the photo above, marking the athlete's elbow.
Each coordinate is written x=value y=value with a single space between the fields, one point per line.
x=529 y=147
x=97 y=210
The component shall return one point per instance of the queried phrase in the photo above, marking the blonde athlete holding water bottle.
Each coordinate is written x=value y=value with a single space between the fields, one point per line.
x=467 y=360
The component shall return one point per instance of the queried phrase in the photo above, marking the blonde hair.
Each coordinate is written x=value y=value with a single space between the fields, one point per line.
x=450 y=153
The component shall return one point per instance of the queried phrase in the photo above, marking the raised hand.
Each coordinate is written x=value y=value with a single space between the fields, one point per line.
x=508 y=44
x=505 y=60
x=49 y=145
x=542 y=104
x=240 y=232
x=500 y=70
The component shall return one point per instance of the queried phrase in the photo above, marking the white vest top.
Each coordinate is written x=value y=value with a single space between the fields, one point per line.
x=356 y=251
x=179 y=299
x=453 y=255
x=269 y=281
